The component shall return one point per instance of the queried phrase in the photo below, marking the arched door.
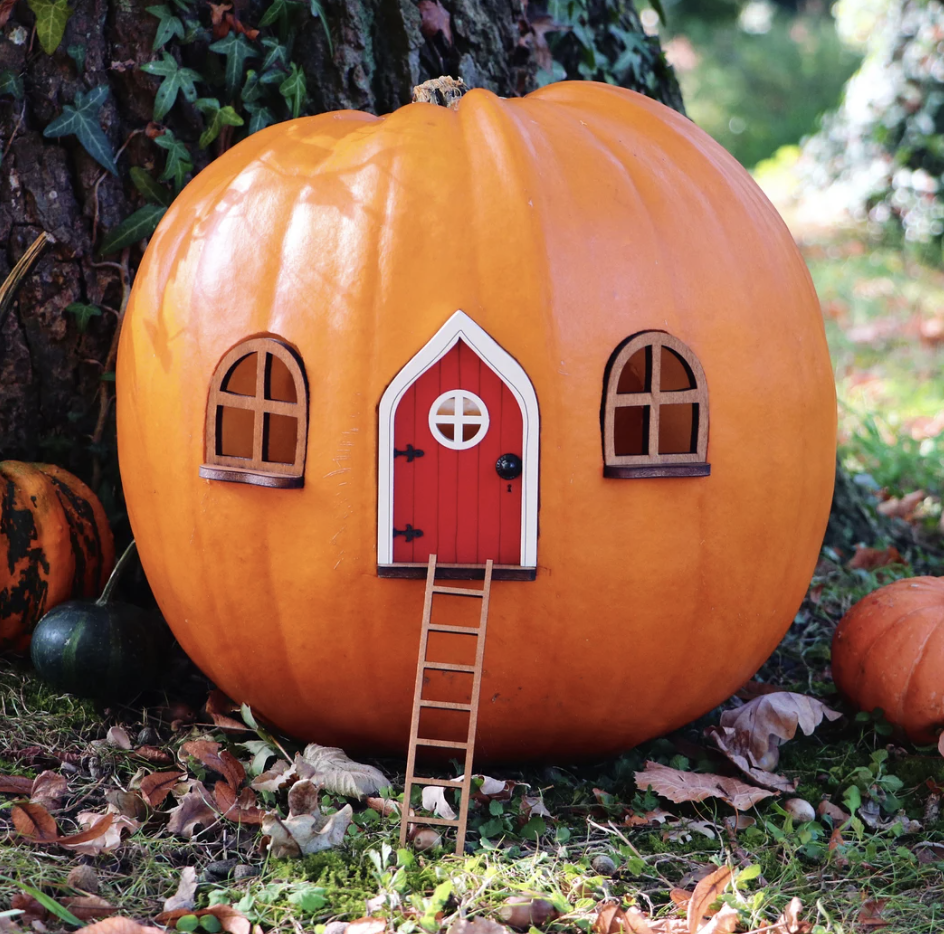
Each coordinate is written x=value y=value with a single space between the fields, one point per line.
x=458 y=449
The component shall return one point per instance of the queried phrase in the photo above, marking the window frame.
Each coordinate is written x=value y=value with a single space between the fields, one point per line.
x=256 y=470
x=654 y=464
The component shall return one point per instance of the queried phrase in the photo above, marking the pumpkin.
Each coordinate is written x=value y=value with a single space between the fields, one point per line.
x=543 y=231
x=888 y=652
x=55 y=544
x=102 y=649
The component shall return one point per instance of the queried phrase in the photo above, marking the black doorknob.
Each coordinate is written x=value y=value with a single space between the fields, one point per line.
x=508 y=466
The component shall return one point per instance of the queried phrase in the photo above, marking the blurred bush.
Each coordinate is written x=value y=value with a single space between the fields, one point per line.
x=884 y=147
x=756 y=75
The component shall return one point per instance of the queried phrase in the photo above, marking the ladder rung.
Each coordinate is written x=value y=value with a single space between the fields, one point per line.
x=445 y=666
x=442 y=782
x=413 y=819
x=444 y=705
x=445 y=743
x=459 y=591
x=462 y=630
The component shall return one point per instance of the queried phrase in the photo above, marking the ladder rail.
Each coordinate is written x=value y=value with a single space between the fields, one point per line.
x=419 y=704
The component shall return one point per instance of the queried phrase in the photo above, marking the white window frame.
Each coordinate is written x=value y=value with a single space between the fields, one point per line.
x=461 y=327
x=458 y=420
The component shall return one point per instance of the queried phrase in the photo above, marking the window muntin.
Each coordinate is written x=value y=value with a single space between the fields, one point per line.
x=458 y=419
x=655 y=413
x=257 y=416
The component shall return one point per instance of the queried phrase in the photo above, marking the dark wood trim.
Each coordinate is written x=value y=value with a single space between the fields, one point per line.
x=458 y=572
x=279 y=481
x=613 y=472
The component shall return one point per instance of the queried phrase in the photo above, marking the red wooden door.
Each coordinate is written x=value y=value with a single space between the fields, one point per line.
x=463 y=418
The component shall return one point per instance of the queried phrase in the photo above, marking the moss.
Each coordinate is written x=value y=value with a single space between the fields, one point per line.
x=916 y=770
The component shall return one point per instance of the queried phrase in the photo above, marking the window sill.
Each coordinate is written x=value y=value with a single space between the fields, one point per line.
x=280 y=481
x=649 y=471
x=458 y=572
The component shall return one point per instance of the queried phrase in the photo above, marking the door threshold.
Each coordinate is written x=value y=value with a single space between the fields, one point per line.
x=458 y=572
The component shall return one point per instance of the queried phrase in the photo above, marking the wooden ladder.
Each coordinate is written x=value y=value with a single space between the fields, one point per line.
x=472 y=708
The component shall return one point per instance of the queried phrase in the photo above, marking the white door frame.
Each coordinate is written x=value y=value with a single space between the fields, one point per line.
x=461 y=327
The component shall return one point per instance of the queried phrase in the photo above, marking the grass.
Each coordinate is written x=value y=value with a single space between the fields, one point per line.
x=877 y=306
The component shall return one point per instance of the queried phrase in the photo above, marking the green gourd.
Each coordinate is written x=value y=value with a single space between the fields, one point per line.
x=102 y=649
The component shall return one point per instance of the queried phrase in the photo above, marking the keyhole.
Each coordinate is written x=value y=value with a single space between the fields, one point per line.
x=509 y=487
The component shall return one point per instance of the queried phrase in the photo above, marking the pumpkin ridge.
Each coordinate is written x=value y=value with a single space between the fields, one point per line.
x=918 y=658
x=889 y=625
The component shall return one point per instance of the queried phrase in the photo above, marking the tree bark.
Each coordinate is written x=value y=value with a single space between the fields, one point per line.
x=54 y=403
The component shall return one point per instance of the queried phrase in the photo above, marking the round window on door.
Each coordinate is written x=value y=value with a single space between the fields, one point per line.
x=458 y=419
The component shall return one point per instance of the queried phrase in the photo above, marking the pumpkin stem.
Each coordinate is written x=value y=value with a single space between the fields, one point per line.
x=117 y=573
x=444 y=91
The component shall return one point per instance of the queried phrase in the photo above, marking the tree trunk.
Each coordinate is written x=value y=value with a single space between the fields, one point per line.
x=55 y=388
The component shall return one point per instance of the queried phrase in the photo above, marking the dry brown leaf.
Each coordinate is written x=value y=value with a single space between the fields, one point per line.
x=219 y=760
x=767 y=721
x=724 y=921
x=280 y=776
x=903 y=508
x=116 y=925
x=6 y=10
x=680 y=786
x=103 y=832
x=706 y=893
x=241 y=808
x=15 y=785
x=218 y=705
x=434 y=799
x=89 y=907
x=385 y=806
x=303 y=798
x=331 y=768
x=735 y=746
x=612 y=919
x=193 y=810
x=35 y=823
x=128 y=803
x=870 y=559
x=84 y=878
x=31 y=908
x=827 y=809
x=870 y=914
x=305 y=833
x=157 y=786
x=533 y=805
x=49 y=788
x=186 y=894
x=789 y=922
x=929 y=852
x=434 y=19
x=154 y=755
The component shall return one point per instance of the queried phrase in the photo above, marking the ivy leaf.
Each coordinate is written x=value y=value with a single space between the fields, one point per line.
x=294 y=90
x=51 y=19
x=132 y=229
x=260 y=117
x=317 y=10
x=83 y=314
x=660 y=11
x=176 y=78
x=216 y=117
x=82 y=121
x=148 y=187
x=12 y=84
x=278 y=10
x=237 y=50
x=252 y=90
x=276 y=55
x=168 y=25
x=77 y=54
x=178 y=164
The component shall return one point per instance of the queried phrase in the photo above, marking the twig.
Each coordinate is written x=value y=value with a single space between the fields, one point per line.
x=19 y=122
x=12 y=281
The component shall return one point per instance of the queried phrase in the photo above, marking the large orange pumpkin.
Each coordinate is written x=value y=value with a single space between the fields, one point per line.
x=560 y=224
x=888 y=652
x=55 y=545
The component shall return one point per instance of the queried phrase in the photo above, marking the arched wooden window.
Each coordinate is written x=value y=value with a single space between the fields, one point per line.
x=257 y=416
x=655 y=410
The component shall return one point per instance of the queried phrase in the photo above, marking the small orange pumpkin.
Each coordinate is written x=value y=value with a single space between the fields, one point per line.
x=55 y=545
x=888 y=652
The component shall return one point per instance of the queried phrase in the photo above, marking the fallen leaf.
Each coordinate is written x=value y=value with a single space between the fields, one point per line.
x=929 y=852
x=154 y=755
x=475 y=926
x=869 y=559
x=725 y=921
x=434 y=799
x=366 y=926
x=35 y=823
x=305 y=833
x=102 y=832
x=870 y=914
x=303 y=798
x=706 y=893
x=330 y=768
x=771 y=719
x=192 y=811
x=218 y=705
x=681 y=830
x=385 y=806
x=217 y=759
x=49 y=788
x=241 y=809
x=128 y=803
x=157 y=786
x=116 y=925
x=118 y=736
x=903 y=508
x=186 y=894
x=434 y=19
x=31 y=907
x=789 y=922
x=89 y=907
x=612 y=919
x=680 y=786
x=6 y=9
x=828 y=809
x=735 y=746
x=280 y=776
x=533 y=805
x=15 y=785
